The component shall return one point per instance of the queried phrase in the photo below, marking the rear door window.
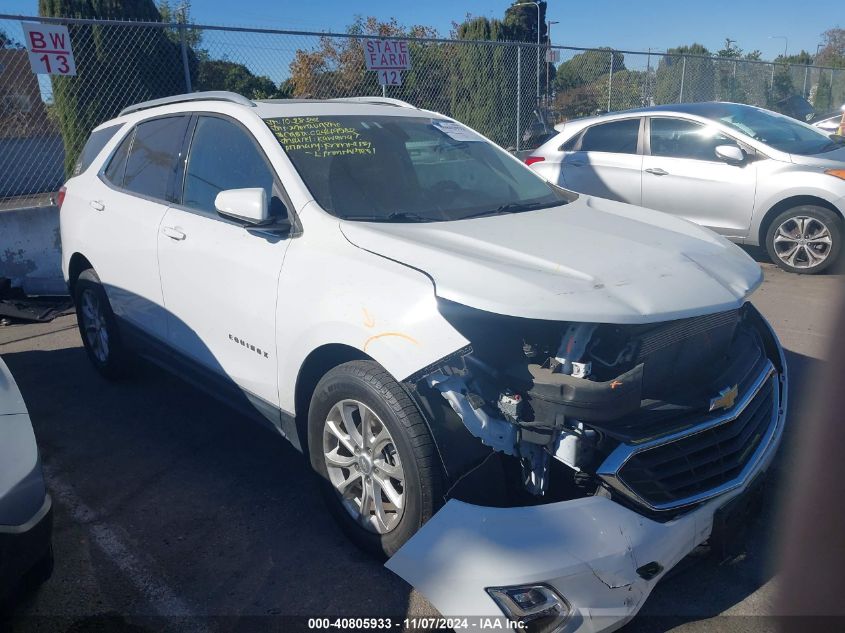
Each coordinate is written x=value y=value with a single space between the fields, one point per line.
x=618 y=137
x=93 y=146
x=153 y=159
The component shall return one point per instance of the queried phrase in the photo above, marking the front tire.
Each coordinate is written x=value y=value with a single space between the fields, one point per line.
x=375 y=456
x=98 y=326
x=805 y=239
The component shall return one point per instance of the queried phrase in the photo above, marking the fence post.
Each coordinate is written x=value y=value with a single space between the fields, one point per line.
x=518 y=91
x=610 y=82
x=185 y=66
x=683 y=77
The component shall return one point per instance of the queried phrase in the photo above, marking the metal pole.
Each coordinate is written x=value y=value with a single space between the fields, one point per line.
x=537 y=4
x=772 y=82
x=518 y=91
x=806 y=76
x=683 y=78
x=186 y=68
x=383 y=90
x=610 y=82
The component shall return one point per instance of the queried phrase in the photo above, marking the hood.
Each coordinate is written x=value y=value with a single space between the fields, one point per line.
x=591 y=260
x=829 y=160
x=11 y=401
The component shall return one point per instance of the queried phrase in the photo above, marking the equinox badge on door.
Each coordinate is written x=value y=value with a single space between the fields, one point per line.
x=253 y=348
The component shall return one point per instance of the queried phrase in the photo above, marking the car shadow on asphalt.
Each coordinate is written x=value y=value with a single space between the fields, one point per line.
x=217 y=507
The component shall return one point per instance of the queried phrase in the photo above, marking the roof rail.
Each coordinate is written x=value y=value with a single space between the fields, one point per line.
x=211 y=95
x=377 y=101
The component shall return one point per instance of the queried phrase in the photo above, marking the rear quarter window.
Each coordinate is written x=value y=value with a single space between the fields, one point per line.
x=93 y=146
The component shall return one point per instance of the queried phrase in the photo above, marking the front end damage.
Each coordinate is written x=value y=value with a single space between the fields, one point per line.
x=614 y=446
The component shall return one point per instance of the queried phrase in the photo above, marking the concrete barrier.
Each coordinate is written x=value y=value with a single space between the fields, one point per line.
x=30 y=249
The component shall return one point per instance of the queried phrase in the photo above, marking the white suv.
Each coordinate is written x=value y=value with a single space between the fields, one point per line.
x=535 y=402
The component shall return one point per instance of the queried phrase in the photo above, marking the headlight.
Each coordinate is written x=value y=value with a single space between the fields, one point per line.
x=539 y=608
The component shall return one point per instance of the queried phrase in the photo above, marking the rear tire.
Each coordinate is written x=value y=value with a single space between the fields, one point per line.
x=98 y=326
x=372 y=449
x=805 y=239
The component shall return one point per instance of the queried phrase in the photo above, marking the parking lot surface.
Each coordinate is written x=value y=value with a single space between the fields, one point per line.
x=173 y=512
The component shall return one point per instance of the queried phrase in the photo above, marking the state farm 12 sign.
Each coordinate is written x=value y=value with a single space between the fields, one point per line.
x=49 y=49
x=387 y=58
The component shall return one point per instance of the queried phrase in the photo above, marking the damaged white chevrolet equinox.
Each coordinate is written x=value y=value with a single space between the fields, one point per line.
x=534 y=403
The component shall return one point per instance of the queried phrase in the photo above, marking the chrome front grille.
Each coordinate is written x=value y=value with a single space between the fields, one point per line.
x=707 y=459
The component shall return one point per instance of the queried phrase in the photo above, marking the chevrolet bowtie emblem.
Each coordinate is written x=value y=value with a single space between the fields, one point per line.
x=725 y=399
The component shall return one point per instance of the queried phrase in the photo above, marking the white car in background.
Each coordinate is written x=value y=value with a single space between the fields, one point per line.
x=753 y=176
x=534 y=402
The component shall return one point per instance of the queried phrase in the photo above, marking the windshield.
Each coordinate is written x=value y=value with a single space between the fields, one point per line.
x=407 y=169
x=778 y=131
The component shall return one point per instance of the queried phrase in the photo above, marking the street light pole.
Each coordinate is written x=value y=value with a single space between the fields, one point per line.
x=537 y=6
x=785 y=43
x=549 y=48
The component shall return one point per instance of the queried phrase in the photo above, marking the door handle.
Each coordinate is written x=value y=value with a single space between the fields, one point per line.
x=574 y=163
x=97 y=205
x=657 y=171
x=173 y=233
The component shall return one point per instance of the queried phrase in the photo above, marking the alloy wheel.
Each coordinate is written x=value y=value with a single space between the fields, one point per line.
x=803 y=242
x=363 y=466
x=94 y=325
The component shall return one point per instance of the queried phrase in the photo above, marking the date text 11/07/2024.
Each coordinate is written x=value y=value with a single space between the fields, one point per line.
x=416 y=624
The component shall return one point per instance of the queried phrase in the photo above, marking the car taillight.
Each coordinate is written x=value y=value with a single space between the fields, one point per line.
x=60 y=197
x=530 y=160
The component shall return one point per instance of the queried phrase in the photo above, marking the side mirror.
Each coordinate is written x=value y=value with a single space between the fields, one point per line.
x=730 y=154
x=247 y=205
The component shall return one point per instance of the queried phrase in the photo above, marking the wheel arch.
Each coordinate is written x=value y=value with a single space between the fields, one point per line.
x=316 y=365
x=78 y=263
x=788 y=203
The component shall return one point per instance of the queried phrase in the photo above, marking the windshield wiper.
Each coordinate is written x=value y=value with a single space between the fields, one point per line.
x=396 y=216
x=511 y=207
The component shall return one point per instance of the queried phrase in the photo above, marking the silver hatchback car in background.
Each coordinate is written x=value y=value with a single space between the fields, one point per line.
x=752 y=175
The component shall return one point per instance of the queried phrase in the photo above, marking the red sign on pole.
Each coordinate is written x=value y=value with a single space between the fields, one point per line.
x=49 y=49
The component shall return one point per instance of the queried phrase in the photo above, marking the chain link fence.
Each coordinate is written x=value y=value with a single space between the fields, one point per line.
x=506 y=90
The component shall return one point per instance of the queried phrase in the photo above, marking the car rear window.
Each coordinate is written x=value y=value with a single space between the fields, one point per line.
x=619 y=137
x=93 y=146
x=152 y=162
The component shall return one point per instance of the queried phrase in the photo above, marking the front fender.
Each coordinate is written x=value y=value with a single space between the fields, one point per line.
x=384 y=309
x=794 y=184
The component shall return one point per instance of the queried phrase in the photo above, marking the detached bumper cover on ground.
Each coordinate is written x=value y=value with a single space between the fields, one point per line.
x=589 y=550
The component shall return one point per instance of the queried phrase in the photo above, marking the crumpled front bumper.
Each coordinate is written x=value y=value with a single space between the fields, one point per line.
x=587 y=549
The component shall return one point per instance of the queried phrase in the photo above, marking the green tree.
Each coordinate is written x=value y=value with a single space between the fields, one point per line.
x=482 y=86
x=585 y=68
x=220 y=74
x=115 y=66
x=685 y=74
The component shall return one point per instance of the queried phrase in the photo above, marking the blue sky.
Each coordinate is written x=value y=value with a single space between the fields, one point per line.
x=621 y=24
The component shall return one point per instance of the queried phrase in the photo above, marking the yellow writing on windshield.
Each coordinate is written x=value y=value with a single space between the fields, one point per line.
x=319 y=137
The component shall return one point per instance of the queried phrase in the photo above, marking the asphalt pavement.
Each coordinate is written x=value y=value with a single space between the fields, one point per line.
x=175 y=513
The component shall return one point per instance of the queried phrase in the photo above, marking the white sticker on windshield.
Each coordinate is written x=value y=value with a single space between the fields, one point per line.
x=456 y=130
